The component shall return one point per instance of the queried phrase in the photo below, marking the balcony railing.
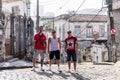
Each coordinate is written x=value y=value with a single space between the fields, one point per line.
x=84 y=37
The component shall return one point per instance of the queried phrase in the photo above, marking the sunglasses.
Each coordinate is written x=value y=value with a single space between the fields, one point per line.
x=53 y=32
x=68 y=32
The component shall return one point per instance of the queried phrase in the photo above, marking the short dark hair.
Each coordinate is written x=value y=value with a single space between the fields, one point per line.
x=53 y=31
x=69 y=31
x=40 y=26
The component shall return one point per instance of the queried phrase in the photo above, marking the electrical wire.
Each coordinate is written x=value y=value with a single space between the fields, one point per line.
x=91 y=20
x=76 y=11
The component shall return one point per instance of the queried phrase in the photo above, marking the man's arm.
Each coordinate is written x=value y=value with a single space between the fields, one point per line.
x=34 y=42
x=59 y=41
x=49 y=45
x=45 y=46
x=65 y=47
x=76 y=46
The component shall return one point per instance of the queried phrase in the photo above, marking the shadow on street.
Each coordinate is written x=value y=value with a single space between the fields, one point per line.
x=63 y=75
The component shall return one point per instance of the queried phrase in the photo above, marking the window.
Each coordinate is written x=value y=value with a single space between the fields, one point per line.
x=77 y=31
x=89 y=31
x=102 y=31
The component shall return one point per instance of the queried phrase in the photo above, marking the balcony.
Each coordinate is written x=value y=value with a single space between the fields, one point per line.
x=84 y=37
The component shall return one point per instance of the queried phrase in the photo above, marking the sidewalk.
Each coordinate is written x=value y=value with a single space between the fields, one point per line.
x=86 y=71
x=15 y=63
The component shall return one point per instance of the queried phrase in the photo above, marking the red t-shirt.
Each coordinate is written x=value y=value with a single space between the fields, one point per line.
x=70 y=44
x=38 y=44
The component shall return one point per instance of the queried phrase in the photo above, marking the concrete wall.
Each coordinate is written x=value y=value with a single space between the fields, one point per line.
x=8 y=6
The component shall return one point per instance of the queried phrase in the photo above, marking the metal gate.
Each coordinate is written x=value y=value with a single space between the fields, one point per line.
x=21 y=35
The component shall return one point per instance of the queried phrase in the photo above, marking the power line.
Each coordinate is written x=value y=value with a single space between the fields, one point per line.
x=80 y=6
x=91 y=20
x=76 y=10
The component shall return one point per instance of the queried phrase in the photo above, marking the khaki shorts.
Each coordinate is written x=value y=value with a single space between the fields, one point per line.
x=37 y=52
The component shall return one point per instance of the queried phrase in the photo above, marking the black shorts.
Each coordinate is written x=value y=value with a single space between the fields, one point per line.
x=73 y=56
x=56 y=54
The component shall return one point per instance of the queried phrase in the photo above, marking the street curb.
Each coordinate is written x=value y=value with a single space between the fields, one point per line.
x=14 y=67
x=103 y=63
x=7 y=59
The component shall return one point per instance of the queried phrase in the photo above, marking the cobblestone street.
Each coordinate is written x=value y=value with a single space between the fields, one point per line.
x=86 y=71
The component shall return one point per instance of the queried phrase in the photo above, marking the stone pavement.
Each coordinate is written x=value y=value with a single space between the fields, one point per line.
x=86 y=71
x=27 y=74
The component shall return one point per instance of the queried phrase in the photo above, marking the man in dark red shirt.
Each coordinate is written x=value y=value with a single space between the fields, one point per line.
x=71 y=48
x=39 y=46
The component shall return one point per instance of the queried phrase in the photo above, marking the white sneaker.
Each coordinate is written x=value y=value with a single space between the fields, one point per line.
x=59 y=70
x=49 y=69
x=69 y=71
x=75 y=72
x=33 y=69
x=42 y=69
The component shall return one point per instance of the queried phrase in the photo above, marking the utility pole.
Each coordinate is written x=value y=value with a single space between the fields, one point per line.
x=37 y=17
x=0 y=9
x=28 y=8
x=53 y=23
x=112 y=54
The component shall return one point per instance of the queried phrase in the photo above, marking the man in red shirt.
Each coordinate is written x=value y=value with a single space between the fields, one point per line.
x=71 y=48
x=39 y=46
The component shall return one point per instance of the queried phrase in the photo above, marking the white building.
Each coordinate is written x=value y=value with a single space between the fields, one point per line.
x=84 y=27
x=81 y=26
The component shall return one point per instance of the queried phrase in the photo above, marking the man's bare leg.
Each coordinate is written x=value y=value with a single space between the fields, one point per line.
x=58 y=63
x=50 y=63
x=69 y=65
x=75 y=65
x=42 y=63
x=34 y=62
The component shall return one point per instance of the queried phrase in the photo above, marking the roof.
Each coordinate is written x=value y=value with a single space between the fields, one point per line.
x=63 y=16
x=88 y=17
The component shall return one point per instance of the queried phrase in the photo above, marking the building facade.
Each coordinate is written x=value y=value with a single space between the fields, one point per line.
x=83 y=27
x=116 y=17
x=19 y=28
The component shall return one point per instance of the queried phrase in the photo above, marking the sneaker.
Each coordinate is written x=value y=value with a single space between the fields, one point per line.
x=69 y=71
x=59 y=70
x=75 y=72
x=33 y=69
x=49 y=69
x=42 y=70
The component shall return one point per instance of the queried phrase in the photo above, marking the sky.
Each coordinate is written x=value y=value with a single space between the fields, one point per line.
x=63 y=6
